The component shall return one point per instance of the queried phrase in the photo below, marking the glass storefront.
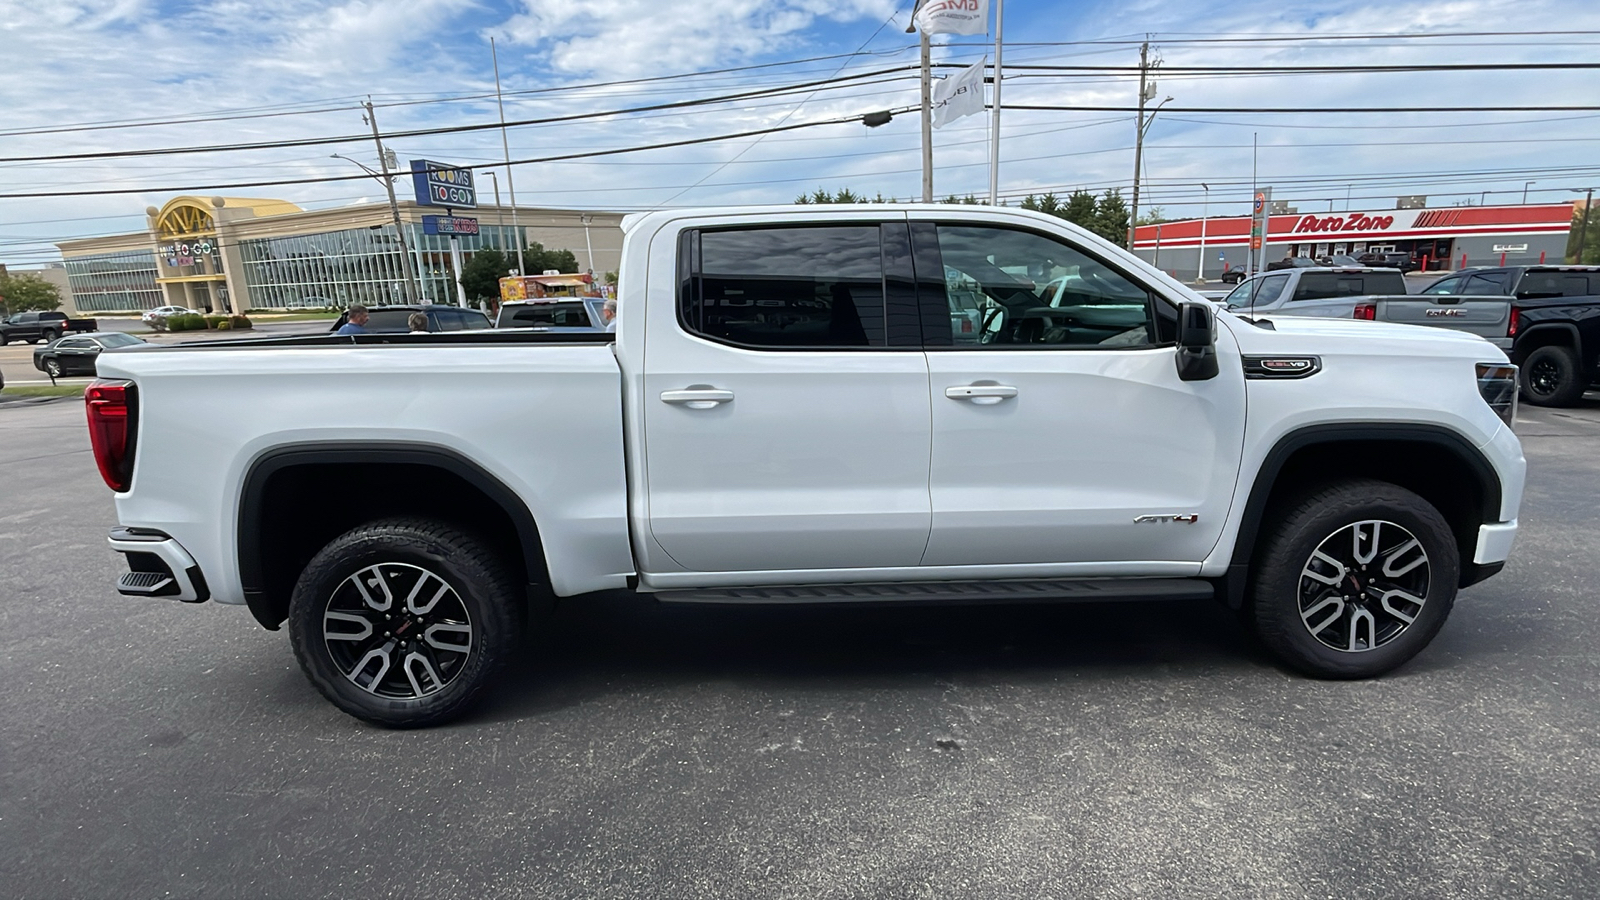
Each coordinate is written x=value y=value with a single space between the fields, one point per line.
x=114 y=282
x=357 y=265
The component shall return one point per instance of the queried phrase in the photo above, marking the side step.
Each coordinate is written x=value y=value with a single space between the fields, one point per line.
x=955 y=592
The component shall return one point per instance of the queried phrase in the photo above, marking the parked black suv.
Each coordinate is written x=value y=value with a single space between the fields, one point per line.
x=395 y=319
x=1395 y=260
x=1554 y=326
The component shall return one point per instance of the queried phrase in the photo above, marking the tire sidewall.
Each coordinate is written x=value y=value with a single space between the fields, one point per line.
x=1570 y=386
x=1276 y=587
x=482 y=594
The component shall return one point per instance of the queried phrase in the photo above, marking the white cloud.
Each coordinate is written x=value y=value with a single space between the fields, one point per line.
x=635 y=37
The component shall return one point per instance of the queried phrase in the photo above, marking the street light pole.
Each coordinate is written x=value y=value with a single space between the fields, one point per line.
x=588 y=247
x=499 y=213
x=394 y=205
x=1525 y=192
x=1200 y=269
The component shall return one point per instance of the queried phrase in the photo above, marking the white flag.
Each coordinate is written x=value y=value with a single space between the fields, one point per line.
x=959 y=95
x=952 y=17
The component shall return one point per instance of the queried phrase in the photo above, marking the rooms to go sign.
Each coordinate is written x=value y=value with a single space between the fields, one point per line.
x=441 y=185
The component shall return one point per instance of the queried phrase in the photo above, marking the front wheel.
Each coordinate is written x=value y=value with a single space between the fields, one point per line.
x=403 y=622
x=52 y=368
x=1552 y=376
x=1355 y=580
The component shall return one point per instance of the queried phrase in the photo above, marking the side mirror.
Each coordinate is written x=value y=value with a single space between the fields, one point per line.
x=1197 y=347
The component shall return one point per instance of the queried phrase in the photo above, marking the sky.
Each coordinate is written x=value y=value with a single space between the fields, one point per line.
x=80 y=72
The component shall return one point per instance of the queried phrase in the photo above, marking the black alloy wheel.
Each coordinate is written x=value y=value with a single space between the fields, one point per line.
x=1354 y=579
x=1552 y=376
x=403 y=622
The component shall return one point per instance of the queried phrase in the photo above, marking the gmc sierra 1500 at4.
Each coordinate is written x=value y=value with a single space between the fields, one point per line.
x=854 y=404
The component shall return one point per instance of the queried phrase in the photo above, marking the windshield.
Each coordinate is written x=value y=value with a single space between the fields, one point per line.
x=546 y=315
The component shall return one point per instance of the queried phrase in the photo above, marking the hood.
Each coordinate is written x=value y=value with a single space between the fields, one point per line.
x=1304 y=334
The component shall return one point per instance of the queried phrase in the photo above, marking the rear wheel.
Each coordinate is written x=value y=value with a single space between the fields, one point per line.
x=1552 y=376
x=1356 y=579
x=404 y=622
x=51 y=335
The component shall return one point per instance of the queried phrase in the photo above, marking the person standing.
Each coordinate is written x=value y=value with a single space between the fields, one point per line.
x=356 y=322
x=608 y=311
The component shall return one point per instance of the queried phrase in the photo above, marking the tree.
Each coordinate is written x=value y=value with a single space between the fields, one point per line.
x=1154 y=216
x=1080 y=209
x=1591 y=243
x=1111 y=218
x=481 y=275
x=26 y=291
x=968 y=200
x=538 y=259
x=1047 y=204
x=844 y=195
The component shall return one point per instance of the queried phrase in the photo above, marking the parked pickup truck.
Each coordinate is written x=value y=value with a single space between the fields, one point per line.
x=1374 y=294
x=34 y=327
x=786 y=414
x=1552 y=324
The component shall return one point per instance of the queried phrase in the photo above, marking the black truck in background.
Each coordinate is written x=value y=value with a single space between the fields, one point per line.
x=1554 y=324
x=34 y=327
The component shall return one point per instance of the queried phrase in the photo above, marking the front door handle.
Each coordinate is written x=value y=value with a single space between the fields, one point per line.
x=983 y=394
x=697 y=397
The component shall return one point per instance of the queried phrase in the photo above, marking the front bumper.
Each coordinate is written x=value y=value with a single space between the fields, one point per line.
x=158 y=566
x=1494 y=542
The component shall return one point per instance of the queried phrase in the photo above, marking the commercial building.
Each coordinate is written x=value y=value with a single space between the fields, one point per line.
x=1438 y=239
x=241 y=253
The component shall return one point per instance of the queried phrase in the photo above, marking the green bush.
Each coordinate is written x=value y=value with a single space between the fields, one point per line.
x=189 y=322
x=225 y=325
x=239 y=323
x=215 y=321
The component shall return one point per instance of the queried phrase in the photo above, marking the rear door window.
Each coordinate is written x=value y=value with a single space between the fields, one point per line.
x=1488 y=284
x=1322 y=285
x=801 y=286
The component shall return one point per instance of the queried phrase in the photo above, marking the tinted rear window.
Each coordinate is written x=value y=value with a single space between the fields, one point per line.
x=546 y=315
x=1557 y=284
x=1317 y=285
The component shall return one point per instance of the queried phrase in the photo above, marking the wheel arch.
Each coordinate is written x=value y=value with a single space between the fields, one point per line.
x=296 y=498
x=1544 y=334
x=1439 y=464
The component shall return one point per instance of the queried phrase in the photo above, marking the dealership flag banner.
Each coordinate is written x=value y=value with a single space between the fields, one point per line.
x=959 y=95
x=952 y=17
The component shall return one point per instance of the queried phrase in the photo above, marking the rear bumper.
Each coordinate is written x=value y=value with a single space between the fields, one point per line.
x=158 y=566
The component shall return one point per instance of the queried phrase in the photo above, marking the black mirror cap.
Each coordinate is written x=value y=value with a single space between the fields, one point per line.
x=1197 y=348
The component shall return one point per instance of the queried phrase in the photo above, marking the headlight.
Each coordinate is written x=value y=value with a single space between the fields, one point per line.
x=1497 y=384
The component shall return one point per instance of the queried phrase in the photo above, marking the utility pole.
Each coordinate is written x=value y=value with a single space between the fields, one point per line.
x=1583 y=230
x=394 y=205
x=505 y=147
x=1145 y=93
x=499 y=212
x=927 y=120
x=994 y=120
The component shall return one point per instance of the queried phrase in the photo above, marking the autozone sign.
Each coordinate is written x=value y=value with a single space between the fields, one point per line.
x=1346 y=222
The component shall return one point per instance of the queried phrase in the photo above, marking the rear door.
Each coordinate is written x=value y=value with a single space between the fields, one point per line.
x=785 y=400
x=1061 y=431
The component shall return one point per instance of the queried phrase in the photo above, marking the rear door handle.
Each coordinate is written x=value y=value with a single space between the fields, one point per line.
x=985 y=394
x=697 y=397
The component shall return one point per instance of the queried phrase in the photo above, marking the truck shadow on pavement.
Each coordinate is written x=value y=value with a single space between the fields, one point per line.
x=617 y=643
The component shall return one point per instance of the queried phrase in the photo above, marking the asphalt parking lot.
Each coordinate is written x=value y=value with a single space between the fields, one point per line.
x=1119 y=750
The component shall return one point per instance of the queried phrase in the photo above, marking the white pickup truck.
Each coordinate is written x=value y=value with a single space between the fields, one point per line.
x=852 y=404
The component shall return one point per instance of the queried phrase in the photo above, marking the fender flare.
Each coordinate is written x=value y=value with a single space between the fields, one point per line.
x=1233 y=584
x=261 y=469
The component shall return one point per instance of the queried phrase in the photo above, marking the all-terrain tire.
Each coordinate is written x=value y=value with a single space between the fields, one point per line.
x=1321 y=596
x=1552 y=375
x=403 y=622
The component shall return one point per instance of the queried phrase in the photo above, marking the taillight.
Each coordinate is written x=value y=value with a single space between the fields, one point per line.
x=112 y=408
x=1367 y=311
x=1516 y=319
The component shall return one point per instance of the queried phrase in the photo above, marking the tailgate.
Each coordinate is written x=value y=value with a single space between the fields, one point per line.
x=1488 y=317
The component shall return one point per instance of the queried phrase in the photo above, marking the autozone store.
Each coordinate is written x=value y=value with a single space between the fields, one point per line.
x=1438 y=239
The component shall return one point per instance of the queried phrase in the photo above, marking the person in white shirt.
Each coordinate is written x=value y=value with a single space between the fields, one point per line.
x=608 y=311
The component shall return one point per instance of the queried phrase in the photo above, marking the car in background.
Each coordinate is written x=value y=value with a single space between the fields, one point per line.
x=1292 y=262
x=47 y=325
x=1233 y=276
x=396 y=319
x=76 y=354
x=1338 y=261
x=150 y=316
x=553 y=313
x=1389 y=260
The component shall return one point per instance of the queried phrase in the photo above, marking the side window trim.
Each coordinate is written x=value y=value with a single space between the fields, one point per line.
x=934 y=302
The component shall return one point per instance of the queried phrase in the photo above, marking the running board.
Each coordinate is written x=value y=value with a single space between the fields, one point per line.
x=954 y=592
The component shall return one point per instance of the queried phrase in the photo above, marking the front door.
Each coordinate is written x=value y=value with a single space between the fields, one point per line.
x=784 y=430
x=1061 y=431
